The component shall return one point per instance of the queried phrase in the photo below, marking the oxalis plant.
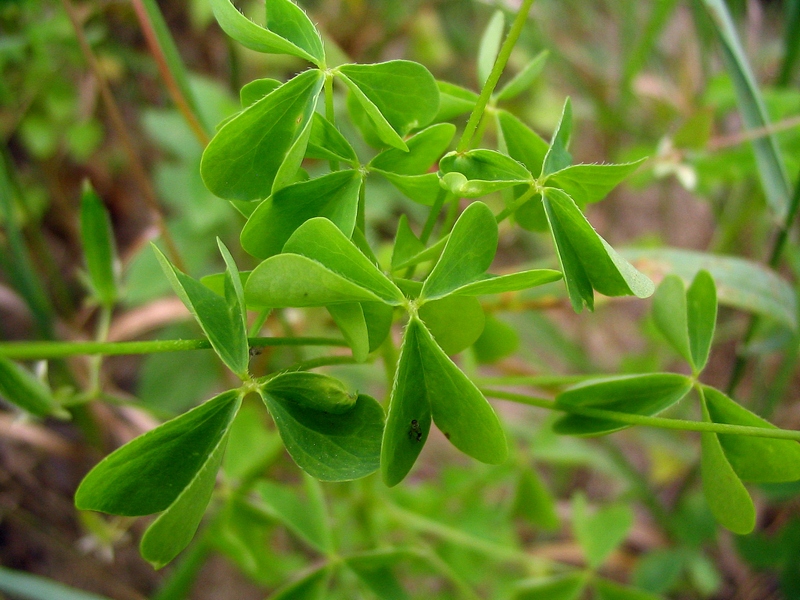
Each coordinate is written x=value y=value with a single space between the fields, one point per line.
x=310 y=236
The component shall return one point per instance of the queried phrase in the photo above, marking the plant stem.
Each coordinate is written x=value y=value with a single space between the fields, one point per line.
x=45 y=350
x=118 y=123
x=442 y=198
x=322 y=361
x=152 y=22
x=96 y=365
x=660 y=422
x=775 y=254
x=494 y=76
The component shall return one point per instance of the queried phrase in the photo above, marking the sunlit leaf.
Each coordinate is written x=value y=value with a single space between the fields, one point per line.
x=591 y=183
x=397 y=95
x=333 y=196
x=255 y=90
x=320 y=240
x=454 y=100
x=406 y=244
x=243 y=159
x=468 y=254
x=669 y=315
x=499 y=284
x=311 y=390
x=257 y=38
x=424 y=149
x=289 y=21
x=327 y=143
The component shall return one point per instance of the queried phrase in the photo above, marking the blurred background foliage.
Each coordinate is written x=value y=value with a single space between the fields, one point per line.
x=645 y=79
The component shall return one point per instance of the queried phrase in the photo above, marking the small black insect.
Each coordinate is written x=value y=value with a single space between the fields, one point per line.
x=256 y=351
x=415 y=433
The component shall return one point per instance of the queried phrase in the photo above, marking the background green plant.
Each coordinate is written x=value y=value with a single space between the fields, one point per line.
x=337 y=233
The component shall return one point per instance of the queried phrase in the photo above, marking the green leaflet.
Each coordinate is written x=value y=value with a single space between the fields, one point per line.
x=406 y=244
x=740 y=283
x=320 y=240
x=292 y=24
x=727 y=497
x=479 y=172
x=244 y=158
x=307 y=519
x=409 y=420
x=490 y=46
x=513 y=282
x=221 y=318
x=398 y=94
x=601 y=533
x=149 y=473
x=327 y=143
x=349 y=318
x=292 y=280
x=334 y=196
x=330 y=447
x=424 y=149
x=558 y=157
x=634 y=394
x=534 y=502
x=19 y=387
x=591 y=183
x=422 y=189
x=467 y=255
x=172 y=531
x=255 y=90
x=429 y=385
x=257 y=38
x=586 y=258
x=669 y=315
x=455 y=322
x=497 y=341
x=521 y=142
x=311 y=390
x=569 y=586
x=99 y=250
x=523 y=80
x=378 y=317
x=454 y=100
x=759 y=460
x=701 y=307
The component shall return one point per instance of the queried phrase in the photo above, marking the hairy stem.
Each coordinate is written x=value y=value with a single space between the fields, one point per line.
x=494 y=76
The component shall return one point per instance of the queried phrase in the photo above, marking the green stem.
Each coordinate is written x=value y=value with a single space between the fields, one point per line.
x=660 y=422
x=509 y=210
x=103 y=325
x=45 y=350
x=322 y=361
x=494 y=76
x=442 y=198
x=774 y=258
